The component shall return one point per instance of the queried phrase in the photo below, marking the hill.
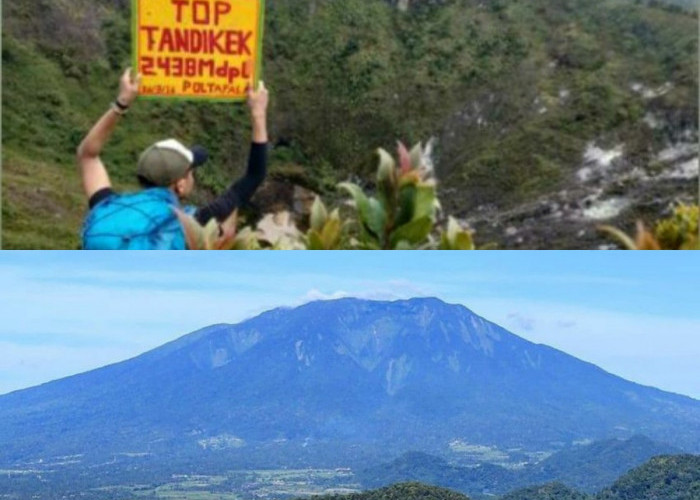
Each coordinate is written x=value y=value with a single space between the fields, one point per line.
x=404 y=491
x=550 y=116
x=587 y=468
x=428 y=469
x=550 y=491
x=662 y=478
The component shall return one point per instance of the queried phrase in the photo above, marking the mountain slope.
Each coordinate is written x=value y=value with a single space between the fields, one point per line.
x=386 y=376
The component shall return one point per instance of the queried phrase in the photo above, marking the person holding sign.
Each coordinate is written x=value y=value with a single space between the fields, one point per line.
x=147 y=219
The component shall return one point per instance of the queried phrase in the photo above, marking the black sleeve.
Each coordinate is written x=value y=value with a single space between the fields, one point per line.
x=99 y=196
x=240 y=191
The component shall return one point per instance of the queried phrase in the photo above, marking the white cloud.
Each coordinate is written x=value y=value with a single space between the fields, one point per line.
x=389 y=289
x=315 y=294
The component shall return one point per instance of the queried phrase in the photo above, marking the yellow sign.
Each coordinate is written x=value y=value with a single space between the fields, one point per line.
x=197 y=49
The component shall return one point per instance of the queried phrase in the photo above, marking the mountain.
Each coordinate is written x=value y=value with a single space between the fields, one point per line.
x=550 y=115
x=335 y=382
x=586 y=468
x=662 y=478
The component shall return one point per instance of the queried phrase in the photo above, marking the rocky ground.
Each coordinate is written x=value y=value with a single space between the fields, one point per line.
x=607 y=189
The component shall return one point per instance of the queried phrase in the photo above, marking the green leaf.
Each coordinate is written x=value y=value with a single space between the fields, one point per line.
x=361 y=201
x=425 y=202
x=414 y=232
x=407 y=195
x=621 y=237
x=315 y=242
x=319 y=215
x=387 y=166
x=211 y=233
x=445 y=242
x=464 y=241
x=387 y=183
x=330 y=236
x=371 y=213
x=376 y=218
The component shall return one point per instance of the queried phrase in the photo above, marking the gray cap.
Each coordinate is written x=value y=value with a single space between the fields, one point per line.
x=166 y=162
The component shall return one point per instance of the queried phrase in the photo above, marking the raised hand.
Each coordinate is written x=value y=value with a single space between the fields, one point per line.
x=129 y=87
x=258 y=100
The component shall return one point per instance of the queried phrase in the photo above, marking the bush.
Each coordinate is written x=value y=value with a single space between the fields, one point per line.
x=403 y=215
x=678 y=232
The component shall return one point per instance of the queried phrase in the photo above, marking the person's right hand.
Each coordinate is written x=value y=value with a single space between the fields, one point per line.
x=257 y=100
x=129 y=87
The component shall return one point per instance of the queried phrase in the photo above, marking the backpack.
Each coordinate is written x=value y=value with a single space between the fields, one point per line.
x=145 y=220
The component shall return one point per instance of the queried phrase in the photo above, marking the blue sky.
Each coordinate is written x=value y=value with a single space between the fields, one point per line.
x=634 y=314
